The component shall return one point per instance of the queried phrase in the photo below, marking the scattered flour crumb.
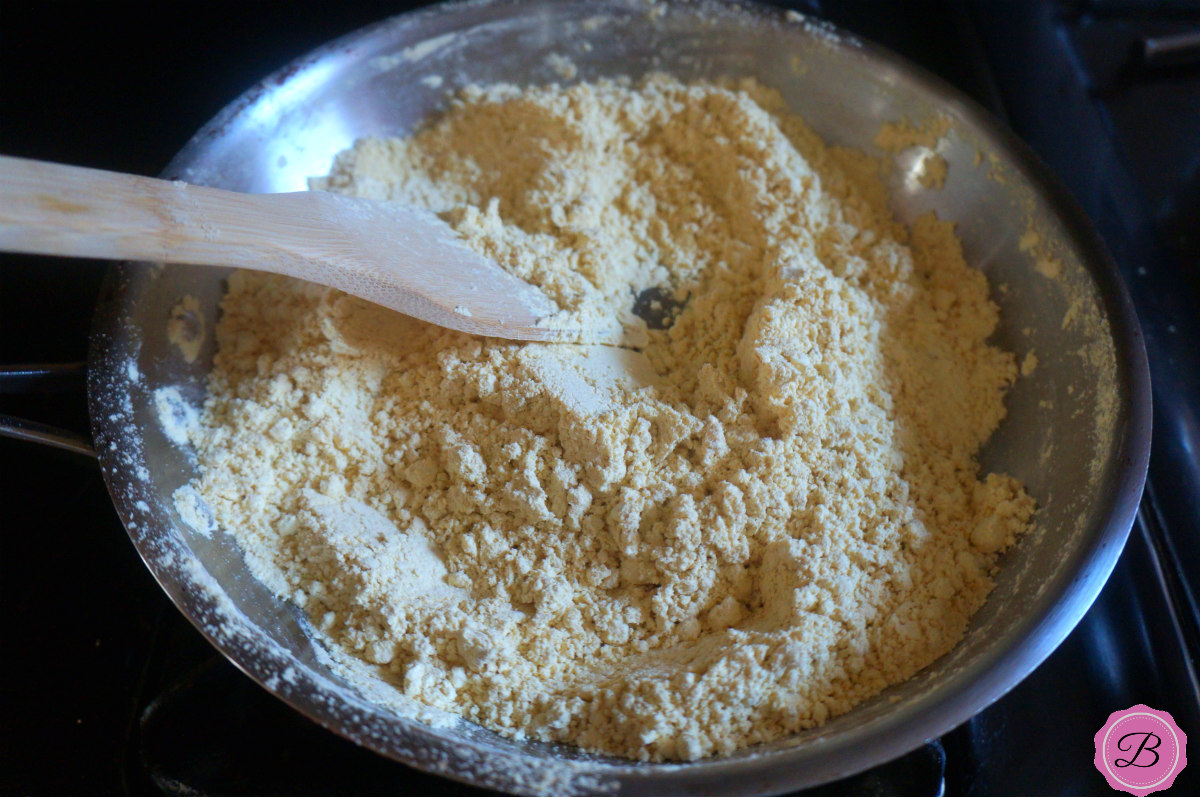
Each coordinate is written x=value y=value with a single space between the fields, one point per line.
x=194 y=511
x=898 y=136
x=1049 y=267
x=895 y=137
x=563 y=66
x=186 y=329
x=1044 y=262
x=427 y=47
x=176 y=417
x=1072 y=313
x=933 y=171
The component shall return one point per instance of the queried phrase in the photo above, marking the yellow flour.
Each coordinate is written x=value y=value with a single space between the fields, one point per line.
x=895 y=137
x=765 y=516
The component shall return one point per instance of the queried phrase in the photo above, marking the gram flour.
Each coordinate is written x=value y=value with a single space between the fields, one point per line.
x=763 y=515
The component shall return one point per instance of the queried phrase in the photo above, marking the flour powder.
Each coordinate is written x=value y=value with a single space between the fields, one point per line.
x=764 y=515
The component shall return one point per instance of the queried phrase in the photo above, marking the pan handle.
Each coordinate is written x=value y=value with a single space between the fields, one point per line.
x=41 y=379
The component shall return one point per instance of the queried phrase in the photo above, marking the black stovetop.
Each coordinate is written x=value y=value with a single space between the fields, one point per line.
x=110 y=691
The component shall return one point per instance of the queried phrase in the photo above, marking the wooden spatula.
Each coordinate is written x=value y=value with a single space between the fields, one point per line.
x=401 y=257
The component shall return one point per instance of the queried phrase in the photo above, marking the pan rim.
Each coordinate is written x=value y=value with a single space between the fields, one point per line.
x=982 y=682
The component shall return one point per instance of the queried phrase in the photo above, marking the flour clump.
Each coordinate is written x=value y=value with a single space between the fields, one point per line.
x=762 y=516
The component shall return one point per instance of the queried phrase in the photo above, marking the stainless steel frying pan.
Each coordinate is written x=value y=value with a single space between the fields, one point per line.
x=1077 y=431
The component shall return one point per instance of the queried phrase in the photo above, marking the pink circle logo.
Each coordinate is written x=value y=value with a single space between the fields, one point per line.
x=1140 y=750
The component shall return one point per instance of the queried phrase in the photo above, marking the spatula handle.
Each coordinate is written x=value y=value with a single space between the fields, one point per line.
x=403 y=258
x=52 y=209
